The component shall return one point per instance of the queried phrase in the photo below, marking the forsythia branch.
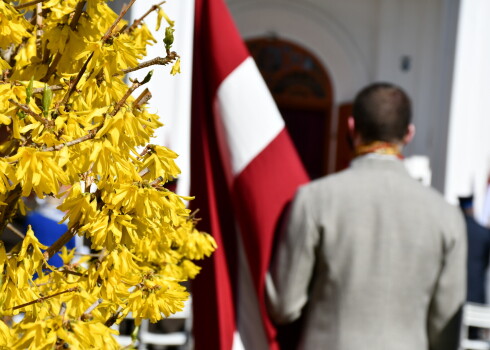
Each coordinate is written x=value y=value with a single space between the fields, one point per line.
x=6 y=211
x=122 y=101
x=74 y=273
x=60 y=242
x=78 y=13
x=143 y=98
x=74 y=289
x=89 y=136
x=137 y=22
x=28 y=4
x=52 y=88
x=86 y=315
x=14 y=230
x=52 y=67
x=156 y=181
x=62 y=309
x=113 y=318
x=125 y=9
x=155 y=61
x=73 y=85
x=73 y=24
x=29 y=111
x=93 y=132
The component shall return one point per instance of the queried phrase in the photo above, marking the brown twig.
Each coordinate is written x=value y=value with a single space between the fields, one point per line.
x=15 y=230
x=155 y=61
x=38 y=17
x=78 y=13
x=143 y=98
x=94 y=255
x=29 y=111
x=86 y=315
x=93 y=132
x=52 y=88
x=192 y=216
x=137 y=22
x=73 y=84
x=113 y=318
x=52 y=67
x=89 y=136
x=28 y=4
x=125 y=9
x=7 y=211
x=73 y=25
x=156 y=181
x=74 y=289
x=145 y=151
x=46 y=53
x=74 y=273
x=144 y=172
x=122 y=101
x=62 y=309
x=60 y=242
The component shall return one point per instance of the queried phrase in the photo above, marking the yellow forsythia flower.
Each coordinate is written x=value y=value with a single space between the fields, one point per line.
x=74 y=130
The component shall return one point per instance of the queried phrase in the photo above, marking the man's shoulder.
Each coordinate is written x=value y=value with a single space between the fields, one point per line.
x=325 y=182
x=352 y=180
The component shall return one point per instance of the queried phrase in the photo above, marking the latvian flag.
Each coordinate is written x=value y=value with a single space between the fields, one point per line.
x=244 y=171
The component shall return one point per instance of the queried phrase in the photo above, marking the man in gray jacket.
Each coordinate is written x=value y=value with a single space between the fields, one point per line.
x=371 y=258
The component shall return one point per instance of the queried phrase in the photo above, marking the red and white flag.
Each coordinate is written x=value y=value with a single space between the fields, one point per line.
x=244 y=171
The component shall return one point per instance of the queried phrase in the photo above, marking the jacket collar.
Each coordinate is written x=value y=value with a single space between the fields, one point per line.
x=379 y=161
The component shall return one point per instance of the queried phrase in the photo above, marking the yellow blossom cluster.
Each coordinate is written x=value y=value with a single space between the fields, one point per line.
x=71 y=128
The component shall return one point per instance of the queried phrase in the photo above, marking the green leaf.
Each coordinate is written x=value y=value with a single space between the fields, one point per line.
x=29 y=90
x=47 y=99
x=134 y=334
x=169 y=38
x=147 y=78
x=21 y=115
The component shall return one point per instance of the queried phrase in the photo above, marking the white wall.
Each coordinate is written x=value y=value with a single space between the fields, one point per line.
x=423 y=31
x=172 y=94
x=469 y=134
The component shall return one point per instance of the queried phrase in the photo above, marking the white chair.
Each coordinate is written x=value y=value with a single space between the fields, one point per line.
x=181 y=338
x=474 y=315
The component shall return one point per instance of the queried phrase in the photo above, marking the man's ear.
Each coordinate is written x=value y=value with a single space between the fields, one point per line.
x=409 y=135
x=351 y=125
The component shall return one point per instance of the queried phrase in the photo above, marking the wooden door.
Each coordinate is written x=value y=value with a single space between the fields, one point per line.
x=302 y=90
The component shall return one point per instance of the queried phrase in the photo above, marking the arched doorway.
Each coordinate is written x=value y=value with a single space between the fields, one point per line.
x=302 y=90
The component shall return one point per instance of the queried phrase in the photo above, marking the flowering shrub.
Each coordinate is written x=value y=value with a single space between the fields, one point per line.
x=71 y=128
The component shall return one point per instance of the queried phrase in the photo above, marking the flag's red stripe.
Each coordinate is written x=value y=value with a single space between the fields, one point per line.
x=222 y=48
x=261 y=192
x=214 y=311
x=214 y=315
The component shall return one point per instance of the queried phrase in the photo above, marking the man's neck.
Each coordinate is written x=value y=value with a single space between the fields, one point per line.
x=379 y=147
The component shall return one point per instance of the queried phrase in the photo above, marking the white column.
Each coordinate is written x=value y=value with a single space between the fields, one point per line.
x=468 y=156
x=172 y=94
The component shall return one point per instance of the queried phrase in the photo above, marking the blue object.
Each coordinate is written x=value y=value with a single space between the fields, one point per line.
x=47 y=230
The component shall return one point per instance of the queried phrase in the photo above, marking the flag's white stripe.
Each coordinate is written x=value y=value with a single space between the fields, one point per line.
x=249 y=114
x=237 y=342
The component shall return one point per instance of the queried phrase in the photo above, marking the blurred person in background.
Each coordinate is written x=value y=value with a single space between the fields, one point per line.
x=478 y=253
x=370 y=258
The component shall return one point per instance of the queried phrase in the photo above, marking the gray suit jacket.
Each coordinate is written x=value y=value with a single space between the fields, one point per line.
x=374 y=259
